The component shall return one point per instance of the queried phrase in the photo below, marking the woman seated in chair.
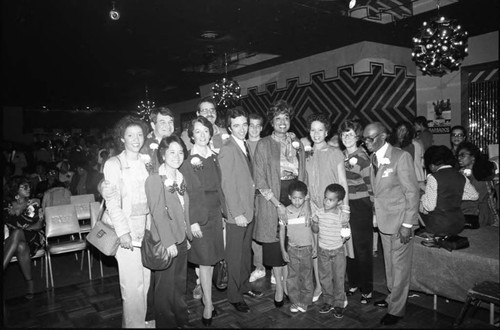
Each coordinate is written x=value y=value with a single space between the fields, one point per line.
x=24 y=220
x=445 y=189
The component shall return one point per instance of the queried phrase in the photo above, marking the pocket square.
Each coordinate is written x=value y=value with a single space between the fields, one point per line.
x=387 y=172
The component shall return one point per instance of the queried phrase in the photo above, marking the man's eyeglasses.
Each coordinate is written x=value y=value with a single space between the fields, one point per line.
x=458 y=135
x=370 y=139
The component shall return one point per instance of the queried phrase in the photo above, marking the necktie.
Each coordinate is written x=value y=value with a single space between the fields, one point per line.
x=375 y=164
x=247 y=151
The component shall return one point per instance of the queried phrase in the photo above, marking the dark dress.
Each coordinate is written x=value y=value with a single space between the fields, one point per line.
x=203 y=186
x=34 y=239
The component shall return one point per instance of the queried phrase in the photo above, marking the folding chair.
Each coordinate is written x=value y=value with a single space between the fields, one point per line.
x=82 y=206
x=61 y=220
x=39 y=254
x=95 y=209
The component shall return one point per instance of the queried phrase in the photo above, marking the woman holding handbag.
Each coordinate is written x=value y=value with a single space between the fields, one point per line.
x=203 y=180
x=169 y=204
x=127 y=213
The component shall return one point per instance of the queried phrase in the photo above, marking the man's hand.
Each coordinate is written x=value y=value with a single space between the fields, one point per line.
x=126 y=242
x=196 y=230
x=405 y=234
x=172 y=250
x=241 y=221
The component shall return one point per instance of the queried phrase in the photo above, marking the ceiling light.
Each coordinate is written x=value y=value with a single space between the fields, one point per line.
x=114 y=14
x=352 y=4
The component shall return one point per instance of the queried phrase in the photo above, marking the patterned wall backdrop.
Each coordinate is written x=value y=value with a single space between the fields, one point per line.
x=482 y=104
x=370 y=96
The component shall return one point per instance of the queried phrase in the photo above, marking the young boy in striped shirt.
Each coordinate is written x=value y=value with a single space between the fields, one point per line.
x=332 y=226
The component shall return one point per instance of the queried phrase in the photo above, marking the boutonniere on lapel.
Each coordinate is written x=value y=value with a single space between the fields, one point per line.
x=196 y=163
x=147 y=162
x=384 y=161
x=387 y=171
x=224 y=136
x=173 y=186
x=309 y=151
x=350 y=162
x=153 y=146
x=467 y=172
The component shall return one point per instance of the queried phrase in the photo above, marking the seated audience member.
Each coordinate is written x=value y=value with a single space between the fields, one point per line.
x=458 y=134
x=480 y=171
x=86 y=180
x=446 y=188
x=24 y=220
x=65 y=175
x=51 y=181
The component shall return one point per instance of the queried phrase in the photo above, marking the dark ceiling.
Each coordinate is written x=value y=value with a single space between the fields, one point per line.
x=69 y=53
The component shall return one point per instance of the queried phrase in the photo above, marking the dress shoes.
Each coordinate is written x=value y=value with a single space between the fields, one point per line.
x=208 y=322
x=381 y=303
x=279 y=304
x=253 y=294
x=390 y=319
x=241 y=307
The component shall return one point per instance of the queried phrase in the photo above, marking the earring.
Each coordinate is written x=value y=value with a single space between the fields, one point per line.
x=16 y=197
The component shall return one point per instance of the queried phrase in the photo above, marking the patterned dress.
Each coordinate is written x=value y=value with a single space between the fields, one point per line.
x=34 y=238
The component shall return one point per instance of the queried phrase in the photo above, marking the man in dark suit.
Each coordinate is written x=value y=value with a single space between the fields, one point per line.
x=239 y=191
x=396 y=196
x=162 y=122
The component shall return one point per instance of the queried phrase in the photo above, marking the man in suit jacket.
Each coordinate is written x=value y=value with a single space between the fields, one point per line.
x=162 y=122
x=396 y=196
x=239 y=191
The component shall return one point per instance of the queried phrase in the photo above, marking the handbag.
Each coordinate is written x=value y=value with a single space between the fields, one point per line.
x=220 y=278
x=102 y=236
x=454 y=242
x=153 y=254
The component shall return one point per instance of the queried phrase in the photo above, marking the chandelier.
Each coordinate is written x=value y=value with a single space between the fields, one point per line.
x=226 y=91
x=439 y=46
x=144 y=109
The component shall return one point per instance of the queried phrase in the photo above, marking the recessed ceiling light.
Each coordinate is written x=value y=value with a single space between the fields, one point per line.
x=352 y=3
x=209 y=35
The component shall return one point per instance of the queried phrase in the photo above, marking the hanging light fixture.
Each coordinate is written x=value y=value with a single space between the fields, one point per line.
x=439 y=46
x=226 y=91
x=144 y=109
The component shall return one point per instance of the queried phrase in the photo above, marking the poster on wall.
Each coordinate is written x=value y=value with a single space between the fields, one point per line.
x=439 y=116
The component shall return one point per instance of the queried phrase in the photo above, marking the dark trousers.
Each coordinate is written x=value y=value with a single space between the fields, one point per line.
x=360 y=269
x=239 y=260
x=170 y=292
x=150 y=313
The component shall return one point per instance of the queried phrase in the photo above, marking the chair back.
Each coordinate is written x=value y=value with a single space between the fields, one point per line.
x=61 y=220
x=95 y=209
x=82 y=205
x=56 y=196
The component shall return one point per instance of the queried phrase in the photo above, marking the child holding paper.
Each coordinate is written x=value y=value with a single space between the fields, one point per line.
x=298 y=249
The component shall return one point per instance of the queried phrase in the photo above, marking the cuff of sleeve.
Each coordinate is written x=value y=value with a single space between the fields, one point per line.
x=407 y=225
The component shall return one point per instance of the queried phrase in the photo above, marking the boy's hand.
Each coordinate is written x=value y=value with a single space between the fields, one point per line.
x=315 y=219
x=285 y=256
x=314 y=253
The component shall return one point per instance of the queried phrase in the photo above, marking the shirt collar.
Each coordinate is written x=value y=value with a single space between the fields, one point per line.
x=444 y=166
x=241 y=144
x=196 y=150
x=380 y=153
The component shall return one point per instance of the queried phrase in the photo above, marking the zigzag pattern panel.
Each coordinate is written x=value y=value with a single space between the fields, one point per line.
x=370 y=96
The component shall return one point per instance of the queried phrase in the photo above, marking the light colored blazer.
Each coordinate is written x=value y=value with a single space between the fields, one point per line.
x=396 y=191
x=237 y=182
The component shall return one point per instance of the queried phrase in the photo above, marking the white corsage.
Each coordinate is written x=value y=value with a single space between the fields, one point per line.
x=224 y=136
x=309 y=151
x=153 y=146
x=353 y=161
x=467 y=172
x=345 y=232
x=145 y=158
x=384 y=161
x=295 y=144
x=196 y=163
x=30 y=210
x=387 y=172
x=308 y=148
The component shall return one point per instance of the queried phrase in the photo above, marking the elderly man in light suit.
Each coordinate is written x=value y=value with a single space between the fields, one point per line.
x=396 y=194
x=239 y=191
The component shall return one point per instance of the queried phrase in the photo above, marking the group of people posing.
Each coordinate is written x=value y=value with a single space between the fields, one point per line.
x=303 y=207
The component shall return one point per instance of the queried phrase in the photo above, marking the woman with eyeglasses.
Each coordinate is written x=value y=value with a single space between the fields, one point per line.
x=24 y=219
x=458 y=134
x=480 y=171
x=324 y=166
x=357 y=168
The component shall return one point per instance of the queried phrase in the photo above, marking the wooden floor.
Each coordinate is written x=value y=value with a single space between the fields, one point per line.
x=77 y=302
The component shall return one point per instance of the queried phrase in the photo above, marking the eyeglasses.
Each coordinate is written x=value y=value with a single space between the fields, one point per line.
x=463 y=155
x=458 y=135
x=370 y=139
x=24 y=186
x=207 y=111
x=348 y=135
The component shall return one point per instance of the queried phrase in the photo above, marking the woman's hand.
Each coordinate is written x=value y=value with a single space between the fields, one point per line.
x=282 y=214
x=196 y=230
x=172 y=250
x=126 y=242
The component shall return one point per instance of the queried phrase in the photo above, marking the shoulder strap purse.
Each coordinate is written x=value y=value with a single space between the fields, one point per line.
x=102 y=236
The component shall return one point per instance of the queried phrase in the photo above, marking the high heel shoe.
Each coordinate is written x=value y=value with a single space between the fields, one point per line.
x=279 y=304
x=208 y=322
x=30 y=291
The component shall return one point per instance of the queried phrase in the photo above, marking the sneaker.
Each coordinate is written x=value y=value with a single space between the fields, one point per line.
x=326 y=308
x=273 y=279
x=256 y=274
x=197 y=292
x=294 y=308
x=302 y=307
x=338 y=312
x=366 y=298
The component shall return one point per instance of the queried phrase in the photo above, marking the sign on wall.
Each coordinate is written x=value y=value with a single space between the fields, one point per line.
x=439 y=116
